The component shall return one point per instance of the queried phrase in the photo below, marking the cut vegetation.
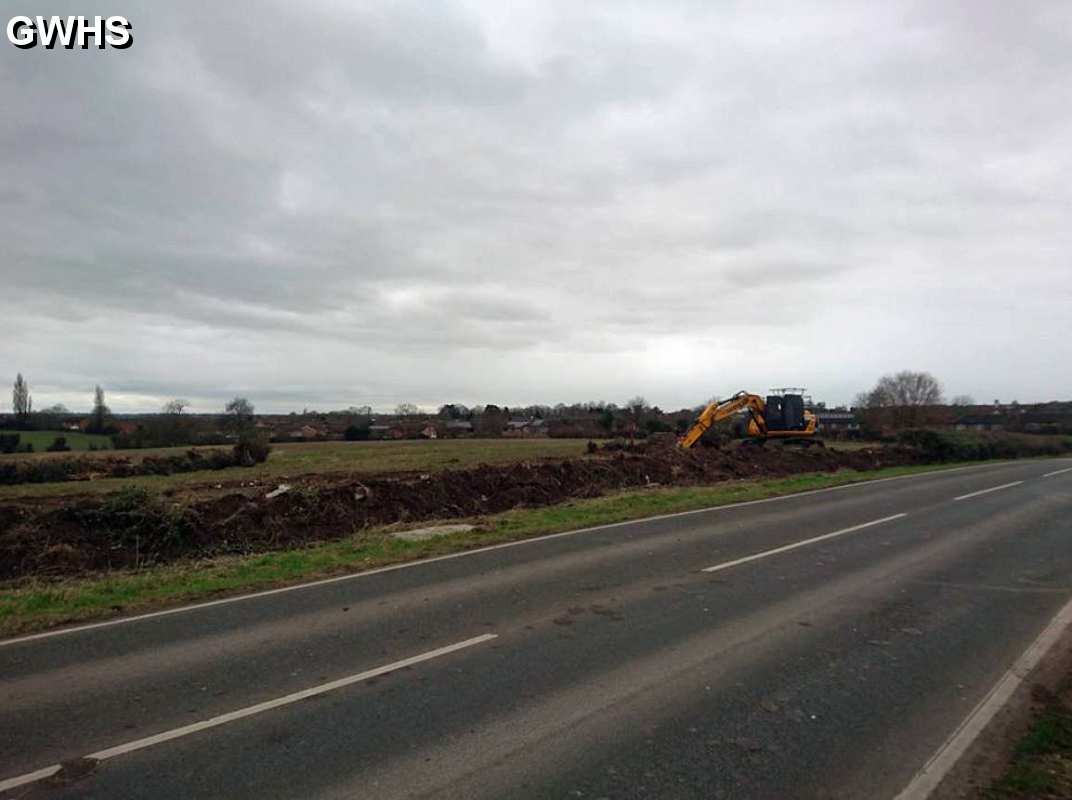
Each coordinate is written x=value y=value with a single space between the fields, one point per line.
x=38 y=602
x=73 y=549
x=134 y=527
x=292 y=460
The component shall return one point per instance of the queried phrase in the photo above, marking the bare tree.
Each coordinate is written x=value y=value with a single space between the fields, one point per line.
x=493 y=421
x=52 y=417
x=406 y=410
x=172 y=428
x=963 y=400
x=905 y=394
x=637 y=405
x=239 y=415
x=906 y=388
x=21 y=402
x=175 y=407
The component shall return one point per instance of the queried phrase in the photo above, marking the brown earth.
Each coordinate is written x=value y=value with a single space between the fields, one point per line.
x=132 y=528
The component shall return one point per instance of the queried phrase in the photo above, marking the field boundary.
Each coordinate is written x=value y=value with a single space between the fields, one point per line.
x=859 y=479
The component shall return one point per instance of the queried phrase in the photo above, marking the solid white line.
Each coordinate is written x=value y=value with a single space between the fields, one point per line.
x=988 y=491
x=248 y=711
x=1057 y=472
x=409 y=564
x=932 y=773
x=802 y=543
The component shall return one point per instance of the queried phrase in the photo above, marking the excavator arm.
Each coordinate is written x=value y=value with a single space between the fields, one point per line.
x=717 y=411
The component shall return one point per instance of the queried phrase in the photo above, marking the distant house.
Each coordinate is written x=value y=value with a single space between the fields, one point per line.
x=305 y=432
x=121 y=426
x=429 y=432
x=385 y=431
x=980 y=422
x=836 y=421
x=525 y=428
x=458 y=427
x=1046 y=422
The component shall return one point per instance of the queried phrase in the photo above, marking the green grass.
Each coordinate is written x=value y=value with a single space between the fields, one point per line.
x=76 y=440
x=40 y=604
x=1042 y=764
x=323 y=458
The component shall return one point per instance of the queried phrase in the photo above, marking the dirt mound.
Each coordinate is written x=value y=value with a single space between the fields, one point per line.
x=133 y=528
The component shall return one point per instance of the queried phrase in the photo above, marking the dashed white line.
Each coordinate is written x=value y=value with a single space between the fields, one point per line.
x=29 y=777
x=932 y=773
x=1057 y=472
x=802 y=543
x=248 y=711
x=988 y=491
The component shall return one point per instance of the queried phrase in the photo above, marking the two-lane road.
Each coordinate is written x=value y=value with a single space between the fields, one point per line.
x=819 y=645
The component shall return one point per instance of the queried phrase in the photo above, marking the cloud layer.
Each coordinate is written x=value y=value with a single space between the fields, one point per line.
x=325 y=204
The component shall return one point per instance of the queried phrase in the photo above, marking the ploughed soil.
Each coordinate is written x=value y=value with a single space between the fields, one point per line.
x=133 y=528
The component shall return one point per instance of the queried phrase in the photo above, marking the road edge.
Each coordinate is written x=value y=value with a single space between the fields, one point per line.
x=947 y=772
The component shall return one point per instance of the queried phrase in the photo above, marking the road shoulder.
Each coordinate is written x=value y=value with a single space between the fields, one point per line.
x=989 y=769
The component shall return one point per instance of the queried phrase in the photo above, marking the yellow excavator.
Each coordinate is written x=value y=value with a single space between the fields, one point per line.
x=776 y=417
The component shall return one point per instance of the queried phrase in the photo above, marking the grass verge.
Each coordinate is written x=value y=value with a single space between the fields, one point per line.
x=38 y=604
x=1042 y=763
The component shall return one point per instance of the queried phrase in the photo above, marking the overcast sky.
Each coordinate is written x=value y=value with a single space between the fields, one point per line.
x=331 y=203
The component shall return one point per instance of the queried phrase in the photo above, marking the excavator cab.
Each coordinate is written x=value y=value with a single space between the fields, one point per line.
x=784 y=412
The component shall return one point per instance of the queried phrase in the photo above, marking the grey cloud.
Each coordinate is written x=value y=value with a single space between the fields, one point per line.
x=328 y=202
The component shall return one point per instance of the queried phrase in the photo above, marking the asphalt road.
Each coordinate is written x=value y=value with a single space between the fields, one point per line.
x=605 y=663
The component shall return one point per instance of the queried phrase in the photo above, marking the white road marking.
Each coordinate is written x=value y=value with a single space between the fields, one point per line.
x=988 y=491
x=1057 y=472
x=465 y=553
x=248 y=711
x=29 y=777
x=802 y=543
x=932 y=773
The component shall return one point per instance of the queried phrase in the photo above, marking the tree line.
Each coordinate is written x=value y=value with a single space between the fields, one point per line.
x=25 y=418
x=899 y=400
x=173 y=426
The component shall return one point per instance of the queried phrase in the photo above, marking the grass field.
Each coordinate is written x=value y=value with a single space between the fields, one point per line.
x=323 y=458
x=76 y=440
x=37 y=604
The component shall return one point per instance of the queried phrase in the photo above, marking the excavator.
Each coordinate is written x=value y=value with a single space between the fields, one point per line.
x=779 y=416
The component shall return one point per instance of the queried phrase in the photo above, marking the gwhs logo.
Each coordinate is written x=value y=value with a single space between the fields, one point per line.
x=70 y=32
